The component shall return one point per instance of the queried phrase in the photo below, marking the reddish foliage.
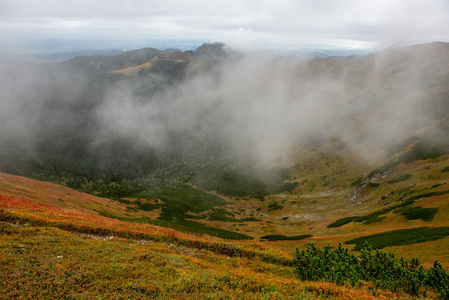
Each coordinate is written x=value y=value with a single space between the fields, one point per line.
x=16 y=202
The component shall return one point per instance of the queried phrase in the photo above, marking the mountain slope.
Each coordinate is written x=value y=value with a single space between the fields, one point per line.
x=214 y=143
x=50 y=250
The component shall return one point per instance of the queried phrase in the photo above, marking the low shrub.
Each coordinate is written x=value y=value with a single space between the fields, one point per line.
x=401 y=237
x=288 y=186
x=251 y=219
x=342 y=222
x=400 y=178
x=415 y=213
x=275 y=206
x=379 y=269
x=278 y=237
x=223 y=215
x=357 y=182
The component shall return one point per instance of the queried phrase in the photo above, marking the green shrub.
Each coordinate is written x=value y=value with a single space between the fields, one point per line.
x=379 y=269
x=373 y=217
x=415 y=213
x=357 y=182
x=437 y=185
x=288 y=186
x=251 y=219
x=422 y=151
x=446 y=169
x=342 y=222
x=183 y=199
x=401 y=237
x=275 y=206
x=400 y=178
x=146 y=206
x=223 y=215
x=278 y=237
x=426 y=195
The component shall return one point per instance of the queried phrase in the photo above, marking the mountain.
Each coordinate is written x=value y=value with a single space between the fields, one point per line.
x=267 y=151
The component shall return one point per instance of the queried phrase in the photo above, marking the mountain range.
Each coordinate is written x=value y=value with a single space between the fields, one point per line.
x=258 y=152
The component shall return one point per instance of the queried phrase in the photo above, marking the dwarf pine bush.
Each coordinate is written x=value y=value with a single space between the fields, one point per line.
x=383 y=270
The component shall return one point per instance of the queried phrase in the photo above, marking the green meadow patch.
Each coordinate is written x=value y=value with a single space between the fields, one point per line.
x=401 y=237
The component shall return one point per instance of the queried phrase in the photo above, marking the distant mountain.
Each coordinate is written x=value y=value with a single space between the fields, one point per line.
x=63 y=56
x=211 y=50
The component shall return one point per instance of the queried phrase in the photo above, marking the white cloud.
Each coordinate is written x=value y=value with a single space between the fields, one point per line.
x=245 y=23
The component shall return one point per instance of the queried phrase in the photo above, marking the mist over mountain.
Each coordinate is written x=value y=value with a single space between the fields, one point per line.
x=169 y=155
x=131 y=114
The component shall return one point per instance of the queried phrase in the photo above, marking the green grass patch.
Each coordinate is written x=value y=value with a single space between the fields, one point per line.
x=342 y=221
x=278 y=237
x=401 y=237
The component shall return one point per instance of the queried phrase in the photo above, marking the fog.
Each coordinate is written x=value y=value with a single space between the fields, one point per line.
x=254 y=103
x=266 y=104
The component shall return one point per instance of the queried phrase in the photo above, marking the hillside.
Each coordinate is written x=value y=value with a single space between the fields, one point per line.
x=51 y=250
x=55 y=244
x=221 y=164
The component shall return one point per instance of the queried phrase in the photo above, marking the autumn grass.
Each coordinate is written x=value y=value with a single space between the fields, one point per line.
x=47 y=262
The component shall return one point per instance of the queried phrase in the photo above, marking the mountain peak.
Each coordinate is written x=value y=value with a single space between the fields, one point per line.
x=211 y=50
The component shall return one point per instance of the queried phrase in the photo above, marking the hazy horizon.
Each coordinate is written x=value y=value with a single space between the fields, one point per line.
x=48 y=26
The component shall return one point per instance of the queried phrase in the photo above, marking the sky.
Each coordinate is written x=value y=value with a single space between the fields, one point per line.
x=243 y=24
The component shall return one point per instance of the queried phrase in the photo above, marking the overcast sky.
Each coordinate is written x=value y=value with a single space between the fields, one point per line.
x=247 y=24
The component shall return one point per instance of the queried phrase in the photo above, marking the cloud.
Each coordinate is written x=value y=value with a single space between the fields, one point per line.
x=280 y=22
x=267 y=104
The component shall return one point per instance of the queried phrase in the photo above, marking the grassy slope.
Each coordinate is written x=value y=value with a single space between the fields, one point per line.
x=330 y=203
x=151 y=260
x=49 y=251
x=45 y=262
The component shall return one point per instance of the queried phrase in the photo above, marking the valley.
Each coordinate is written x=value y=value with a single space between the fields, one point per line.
x=168 y=175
